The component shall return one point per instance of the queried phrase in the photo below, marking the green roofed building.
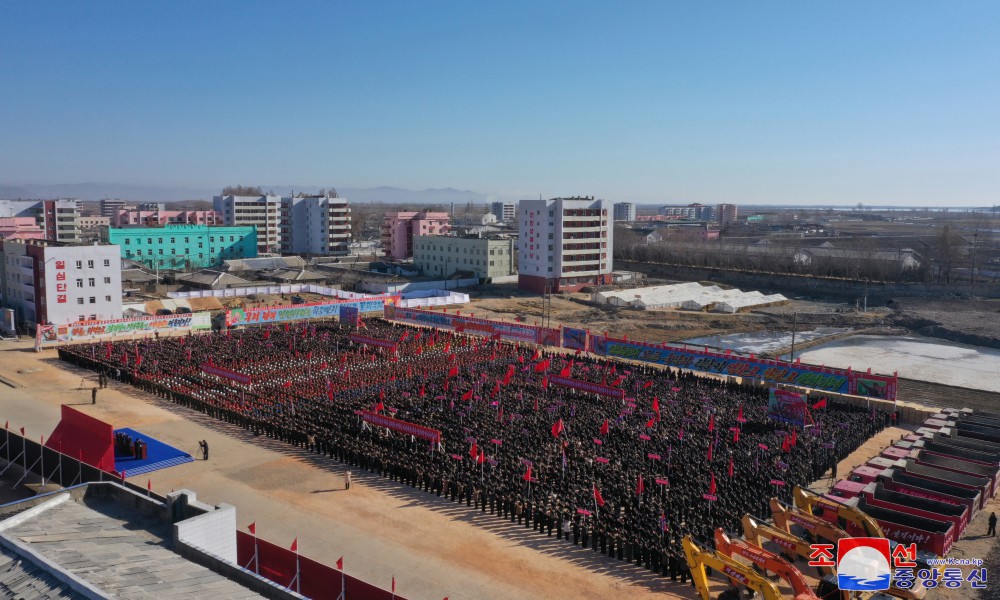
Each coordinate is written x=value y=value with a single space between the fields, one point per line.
x=184 y=246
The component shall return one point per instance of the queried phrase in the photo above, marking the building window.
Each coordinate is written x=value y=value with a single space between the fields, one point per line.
x=93 y=300
x=107 y=280
x=82 y=317
x=201 y=245
x=79 y=283
x=79 y=301
x=127 y=242
x=159 y=240
x=90 y=281
x=107 y=298
x=161 y=253
x=187 y=240
x=172 y=241
x=79 y=264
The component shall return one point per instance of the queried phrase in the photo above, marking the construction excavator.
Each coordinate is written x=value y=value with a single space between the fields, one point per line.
x=766 y=561
x=784 y=516
x=755 y=532
x=738 y=573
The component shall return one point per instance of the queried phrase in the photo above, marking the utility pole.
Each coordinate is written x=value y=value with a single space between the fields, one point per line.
x=795 y=319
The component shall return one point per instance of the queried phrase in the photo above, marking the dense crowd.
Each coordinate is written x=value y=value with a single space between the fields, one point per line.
x=627 y=478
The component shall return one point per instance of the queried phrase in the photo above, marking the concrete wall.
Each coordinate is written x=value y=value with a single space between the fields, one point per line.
x=213 y=531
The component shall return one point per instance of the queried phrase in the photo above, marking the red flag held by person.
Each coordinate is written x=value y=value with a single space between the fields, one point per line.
x=379 y=407
x=656 y=406
x=453 y=372
x=527 y=474
x=467 y=395
x=545 y=383
x=474 y=450
x=640 y=487
x=482 y=456
x=711 y=423
x=711 y=486
x=739 y=416
x=557 y=428
x=736 y=434
x=820 y=404
x=710 y=444
x=650 y=422
x=605 y=428
x=795 y=437
x=598 y=497
x=730 y=466
x=537 y=355
x=618 y=382
x=786 y=444
x=648 y=384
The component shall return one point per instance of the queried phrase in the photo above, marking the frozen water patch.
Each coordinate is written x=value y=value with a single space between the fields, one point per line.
x=759 y=342
x=922 y=359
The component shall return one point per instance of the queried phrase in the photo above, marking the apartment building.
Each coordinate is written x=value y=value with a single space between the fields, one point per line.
x=59 y=219
x=130 y=217
x=487 y=257
x=315 y=225
x=625 y=211
x=262 y=212
x=505 y=212
x=399 y=229
x=179 y=246
x=564 y=244
x=110 y=207
x=52 y=282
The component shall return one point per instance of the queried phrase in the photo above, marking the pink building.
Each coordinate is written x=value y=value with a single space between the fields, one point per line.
x=20 y=228
x=398 y=229
x=125 y=217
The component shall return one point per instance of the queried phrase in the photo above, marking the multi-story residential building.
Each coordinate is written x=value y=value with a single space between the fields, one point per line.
x=52 y=282
x=442 y=256
x=57 y=218
x=398 y=229
x=151 y=206
x=625 y=211
x=315 y=225
x=23 y=228
x=184 y=246
x=564 y=244
x=110 y=207
x=155 y=218
x=505 y=212
x=263 y=212
x=94 y=222
x=694 y=211
x=726 y=213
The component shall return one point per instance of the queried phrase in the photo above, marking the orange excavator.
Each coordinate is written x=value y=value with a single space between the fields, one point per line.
x=738 y=573
x=811 y=503
x=767 y=561
x=756 y=531
x=785 y=516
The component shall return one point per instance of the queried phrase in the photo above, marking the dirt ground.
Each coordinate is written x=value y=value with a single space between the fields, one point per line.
x=432 y=547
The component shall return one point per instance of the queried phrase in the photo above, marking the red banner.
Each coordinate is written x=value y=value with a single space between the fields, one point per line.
x=424 y=433
x=227 y=374
x=370 y=341
x=594 y=388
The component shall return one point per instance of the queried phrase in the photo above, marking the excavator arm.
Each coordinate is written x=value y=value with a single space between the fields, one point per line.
x=809 y=502
x=766 y=560
x=699 y=560
x=755 y=531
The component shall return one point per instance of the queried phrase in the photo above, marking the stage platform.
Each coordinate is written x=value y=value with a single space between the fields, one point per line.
x=158 y=456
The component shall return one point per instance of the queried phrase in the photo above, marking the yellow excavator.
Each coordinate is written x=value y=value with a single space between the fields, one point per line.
x=755 y=532
x=810 y=502
x=784 y=516
x=699 y=560
x=766 y=561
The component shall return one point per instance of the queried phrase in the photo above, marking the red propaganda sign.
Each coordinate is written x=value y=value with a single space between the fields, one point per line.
x=227 y=374
x=370 y=341
x=583 y=511
x=662 y=482
x=601 y=460
x=644 y=437
x=710 y=497
x=777 y=482
x=653 y=456
x=424 y=433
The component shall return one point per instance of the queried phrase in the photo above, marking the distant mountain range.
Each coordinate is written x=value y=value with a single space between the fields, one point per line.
x=143 y=193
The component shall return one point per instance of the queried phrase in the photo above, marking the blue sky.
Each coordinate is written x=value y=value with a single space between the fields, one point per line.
x=748 y=102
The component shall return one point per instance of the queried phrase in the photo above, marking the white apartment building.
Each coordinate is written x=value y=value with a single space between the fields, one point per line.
x=564 y=244
x=59 y=219
x=505 y=212
x=262 y=211
x=49 y=282
x=315 y=225
x=625 y=211
x=443 y=255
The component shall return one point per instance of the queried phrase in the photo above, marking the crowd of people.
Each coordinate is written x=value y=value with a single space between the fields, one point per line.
x=680 y=454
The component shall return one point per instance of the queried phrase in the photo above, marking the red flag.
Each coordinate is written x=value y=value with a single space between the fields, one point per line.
x=393 y=585
x=739 y=416
x=287 y=384
x=149 y=485
x=447 y=347
x=379 y=407
x=618 y=382
x=557 y=428
x=453 y=372
x=482 y=456
x=467 y=395
x=545 y=383
x=422 y=391
x=527 y=474
x=710 y=444
x=656 y=406
x=598 y=497
x=648 y=384
x=711 y=486
x=295 y=545
x=730 y=466
x=650 y=422
x=22 y=431
x=786 y=444
x=253 y=528
x=640 y=487
x=543 y=366
x=510 y=373
x=474 y=450
x=565 y=371
x=711 y=423
x=537 y=355
x=340 y=563
x=795 y=437
x=736 y=434
x=381 y=394
x=820 y=404
x=605 y=428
